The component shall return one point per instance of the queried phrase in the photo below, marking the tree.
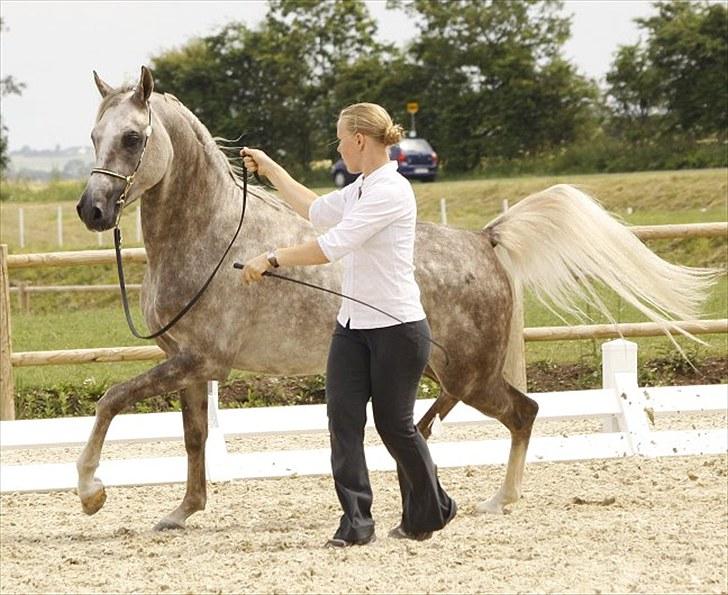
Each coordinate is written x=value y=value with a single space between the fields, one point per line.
x=688 y=47
x=8 y=86
x=634 y=93
x=674 y=79
x=273 y=83
x=495 y=84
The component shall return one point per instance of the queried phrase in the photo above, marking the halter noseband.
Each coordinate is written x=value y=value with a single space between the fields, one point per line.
x=130 y=178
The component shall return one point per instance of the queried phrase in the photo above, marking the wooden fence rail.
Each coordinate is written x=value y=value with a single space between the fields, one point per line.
x=541 y=333
x=8 y=359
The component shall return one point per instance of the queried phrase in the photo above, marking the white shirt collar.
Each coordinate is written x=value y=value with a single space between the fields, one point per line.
x=382 y=170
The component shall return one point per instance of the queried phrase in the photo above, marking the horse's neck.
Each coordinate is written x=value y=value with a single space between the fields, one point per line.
x=196 y=208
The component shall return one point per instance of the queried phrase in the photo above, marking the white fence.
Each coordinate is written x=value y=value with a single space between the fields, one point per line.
x=60 y=223
x=624 y=409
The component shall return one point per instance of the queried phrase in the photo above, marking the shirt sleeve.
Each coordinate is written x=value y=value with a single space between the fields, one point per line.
x=327 y=210
x=370 y=215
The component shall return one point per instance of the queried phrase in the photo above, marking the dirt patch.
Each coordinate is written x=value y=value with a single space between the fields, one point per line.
x=628 y=525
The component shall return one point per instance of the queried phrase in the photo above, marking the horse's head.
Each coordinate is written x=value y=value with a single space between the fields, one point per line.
x=133 y=152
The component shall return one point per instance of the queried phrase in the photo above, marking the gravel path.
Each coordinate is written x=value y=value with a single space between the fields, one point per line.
x=627 y=525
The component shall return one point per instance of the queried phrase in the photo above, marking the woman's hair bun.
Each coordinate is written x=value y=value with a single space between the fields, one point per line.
x=393 y=134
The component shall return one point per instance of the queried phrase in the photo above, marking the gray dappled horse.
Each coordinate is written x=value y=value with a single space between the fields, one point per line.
x=558 y=241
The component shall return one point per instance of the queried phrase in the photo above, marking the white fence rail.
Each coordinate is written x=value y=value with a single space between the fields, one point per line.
x=624 y=409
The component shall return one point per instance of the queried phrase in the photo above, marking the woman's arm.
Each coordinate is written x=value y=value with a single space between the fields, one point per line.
x=294 y=193
x=302 y=255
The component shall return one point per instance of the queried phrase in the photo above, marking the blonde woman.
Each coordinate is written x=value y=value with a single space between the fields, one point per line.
x=371 y=225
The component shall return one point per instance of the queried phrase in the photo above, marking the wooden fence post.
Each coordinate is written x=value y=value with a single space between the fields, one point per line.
x=7 y=388
x=59 y=225
x=21 y=227
x=23 y=297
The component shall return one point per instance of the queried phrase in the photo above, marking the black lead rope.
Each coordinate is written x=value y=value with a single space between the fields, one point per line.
x=193 y=301
x=239 y=265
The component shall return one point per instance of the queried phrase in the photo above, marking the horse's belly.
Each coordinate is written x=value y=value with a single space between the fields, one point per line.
x=287 y=346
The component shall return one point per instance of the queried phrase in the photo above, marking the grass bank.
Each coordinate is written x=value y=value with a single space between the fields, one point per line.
x=66 y=321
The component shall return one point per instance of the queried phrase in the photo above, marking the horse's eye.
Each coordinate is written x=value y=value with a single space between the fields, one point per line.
x=130 y=140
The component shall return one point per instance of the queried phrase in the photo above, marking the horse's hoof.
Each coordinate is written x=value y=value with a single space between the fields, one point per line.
x=490 y=507
x=167 y=524
x=93 y=503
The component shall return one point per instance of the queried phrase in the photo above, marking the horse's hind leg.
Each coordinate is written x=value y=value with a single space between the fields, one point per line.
x=194 y=417
x=442 y=406
x=517 y=412
x=173 y=374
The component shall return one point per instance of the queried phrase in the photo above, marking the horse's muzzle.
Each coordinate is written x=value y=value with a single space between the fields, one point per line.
x=97 y=212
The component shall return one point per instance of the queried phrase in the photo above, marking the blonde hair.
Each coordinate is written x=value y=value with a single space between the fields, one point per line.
x=371 y=120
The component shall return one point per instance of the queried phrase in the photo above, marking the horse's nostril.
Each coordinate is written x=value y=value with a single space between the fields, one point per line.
x=97 y=214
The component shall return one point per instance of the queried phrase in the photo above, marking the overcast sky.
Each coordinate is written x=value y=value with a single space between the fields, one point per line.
x=53 y=47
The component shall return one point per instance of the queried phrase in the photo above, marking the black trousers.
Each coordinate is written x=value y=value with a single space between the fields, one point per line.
x=385 y=364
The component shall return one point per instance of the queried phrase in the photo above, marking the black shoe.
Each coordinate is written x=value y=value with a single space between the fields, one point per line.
x=336 y=542
x=399 y=533
x=453 y=513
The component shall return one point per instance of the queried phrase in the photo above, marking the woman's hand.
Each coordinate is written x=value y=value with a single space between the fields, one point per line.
x=254 y=269
x=256 y=160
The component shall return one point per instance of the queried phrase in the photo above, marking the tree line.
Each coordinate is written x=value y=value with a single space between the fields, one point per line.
x=495 y=92
x=490 y=77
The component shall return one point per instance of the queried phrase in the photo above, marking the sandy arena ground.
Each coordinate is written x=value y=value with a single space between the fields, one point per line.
x=627 y=525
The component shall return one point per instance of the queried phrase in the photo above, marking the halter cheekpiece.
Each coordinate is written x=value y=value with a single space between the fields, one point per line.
x=130 y=178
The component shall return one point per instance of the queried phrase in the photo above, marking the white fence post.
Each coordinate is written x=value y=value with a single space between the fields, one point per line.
x=21 y=227
x=217 y=464
x=619 y=369
x=617 y=356
x=443 y=211
x=60 y=225
x=99 y=238
x=139 y=224
x=504 y=205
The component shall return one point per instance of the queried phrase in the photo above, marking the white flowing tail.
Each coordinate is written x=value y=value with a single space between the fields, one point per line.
x=560 y=241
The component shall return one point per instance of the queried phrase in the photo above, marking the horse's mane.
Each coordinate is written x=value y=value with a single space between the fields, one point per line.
x=223 y=147
x=204 y=138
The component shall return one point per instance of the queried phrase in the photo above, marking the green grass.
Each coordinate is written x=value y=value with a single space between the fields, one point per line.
x=73 y=321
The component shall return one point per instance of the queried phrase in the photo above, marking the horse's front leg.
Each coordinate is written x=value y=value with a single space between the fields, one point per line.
x=194 y=416
x=177 y=372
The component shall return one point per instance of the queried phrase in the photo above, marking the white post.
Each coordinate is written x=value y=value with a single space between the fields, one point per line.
x=60 y=225
x=139 y=224
x=216 y=455
x=617 y=356
x=99 y=238
x=504 y=205
x=619 y=372
x=21 y=227
x=443 y=211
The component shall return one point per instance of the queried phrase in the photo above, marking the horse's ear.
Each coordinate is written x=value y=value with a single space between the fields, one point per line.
x=103 y=88
x=144 y=87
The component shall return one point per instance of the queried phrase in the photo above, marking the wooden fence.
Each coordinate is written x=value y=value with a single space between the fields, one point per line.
x=516 y=372
x=627 y=414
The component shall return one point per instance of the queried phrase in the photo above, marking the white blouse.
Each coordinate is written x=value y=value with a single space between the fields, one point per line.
x=370 y=224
